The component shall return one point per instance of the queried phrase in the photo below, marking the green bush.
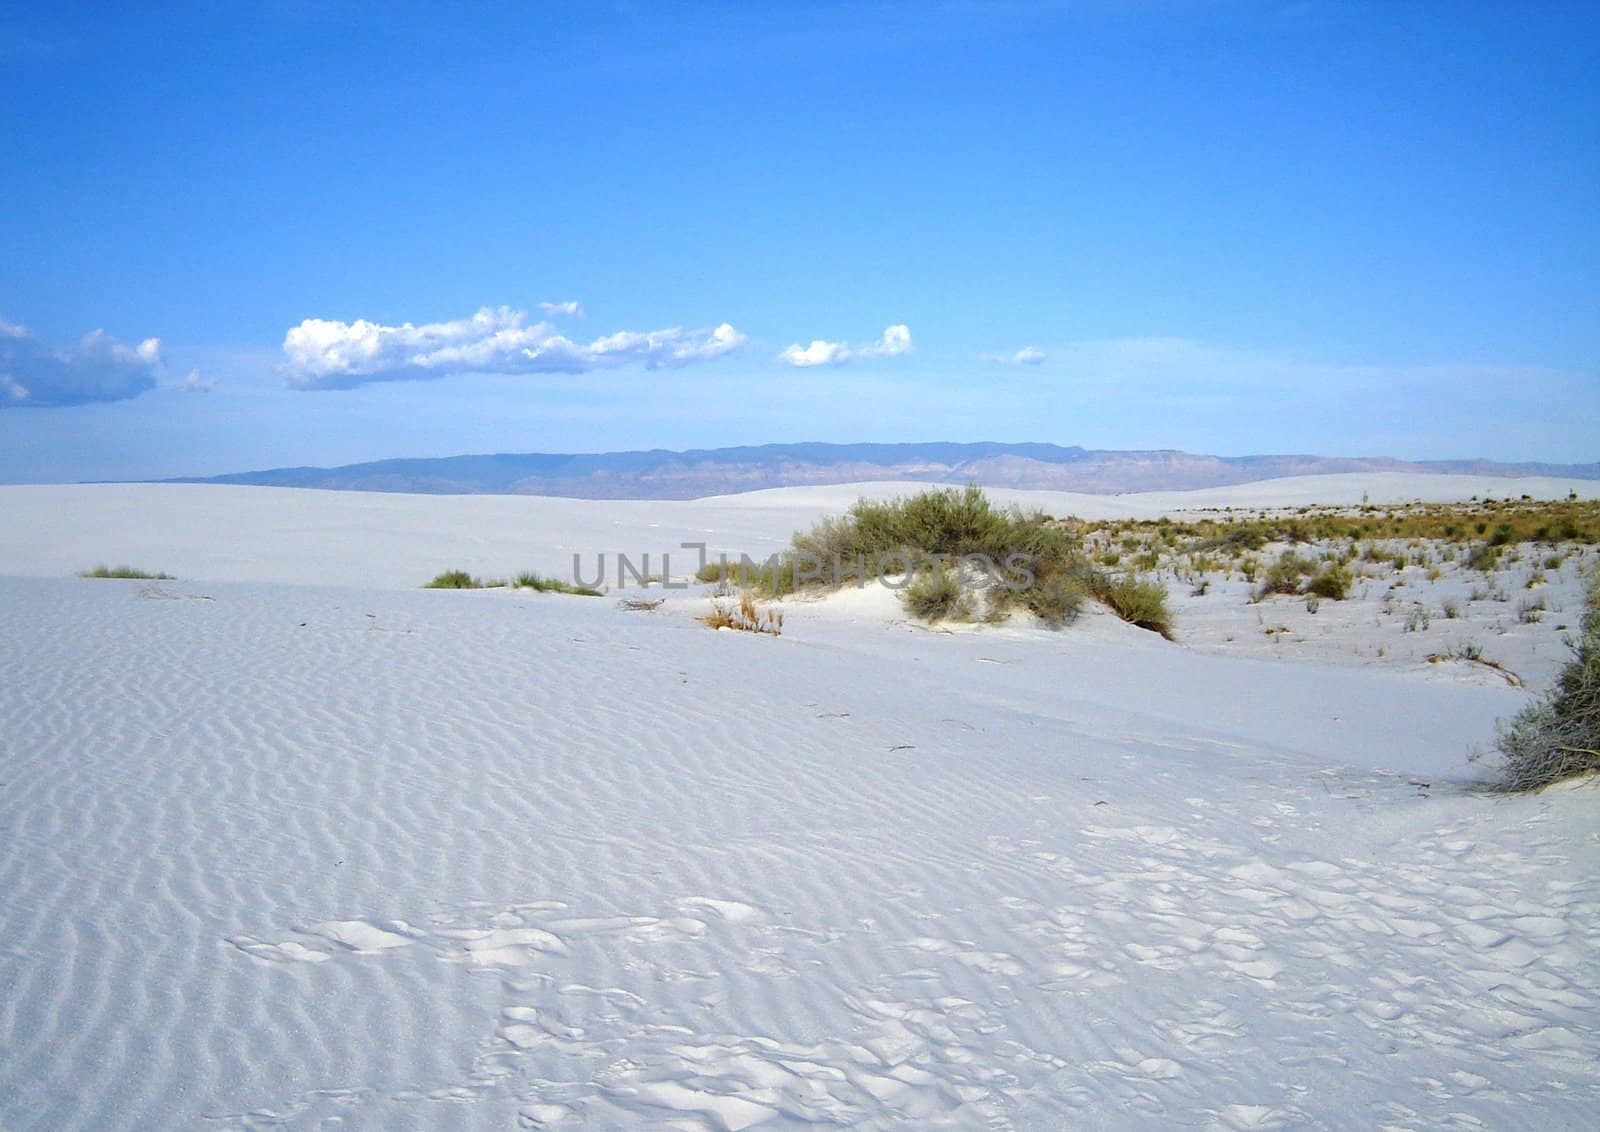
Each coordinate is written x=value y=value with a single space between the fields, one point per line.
x=454 y=580
x=1559 y=737
x=104 y=571
x=1056 y=598
x=1284 y=575
x=1332 y=582
x=933 y=595
x=1137 y=602
x=1041 y=563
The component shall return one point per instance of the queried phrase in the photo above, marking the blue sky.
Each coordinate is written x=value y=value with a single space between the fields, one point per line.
x=1224 y=226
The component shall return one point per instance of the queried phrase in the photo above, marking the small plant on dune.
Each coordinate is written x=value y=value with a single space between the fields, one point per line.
x=1331 y=582
x=1283 y=576
x=454 y=580
x=744 y=615
x=103 y=571
x=529 y=580
x=933 y=595
x=1559 y=737
x=1056 y=596
x=1137 y=602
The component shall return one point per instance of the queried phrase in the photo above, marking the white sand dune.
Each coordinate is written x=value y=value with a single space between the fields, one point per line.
x=289 y=842
x=263 y=534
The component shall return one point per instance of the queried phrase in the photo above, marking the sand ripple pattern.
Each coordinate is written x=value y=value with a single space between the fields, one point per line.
x=285 y=857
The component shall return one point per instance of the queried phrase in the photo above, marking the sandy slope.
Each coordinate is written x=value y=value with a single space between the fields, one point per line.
x=294 y=854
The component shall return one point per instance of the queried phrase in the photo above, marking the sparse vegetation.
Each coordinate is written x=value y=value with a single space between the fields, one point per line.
x=959 y=553
x=461 y=580
x=1559 y=737
x=744 y=615
x=934 y=595
x=640 y=604
x=529 y=580
x=104 y=571
x=1138 y=602
x=455 y=580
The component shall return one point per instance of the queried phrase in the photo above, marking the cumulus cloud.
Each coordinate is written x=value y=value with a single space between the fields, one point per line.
x=896 y=340
x=98 y=368
x=196 y=382
x=323 y=354
x=571 y=308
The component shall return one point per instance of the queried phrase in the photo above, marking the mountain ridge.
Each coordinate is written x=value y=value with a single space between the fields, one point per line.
x=695 y=473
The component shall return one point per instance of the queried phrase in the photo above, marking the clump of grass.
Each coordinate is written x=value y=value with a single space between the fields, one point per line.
x=1138 y=602
x=1559 y=737
x=744 y=615
x=103 y=571
x=454 y=580
x=529 y=580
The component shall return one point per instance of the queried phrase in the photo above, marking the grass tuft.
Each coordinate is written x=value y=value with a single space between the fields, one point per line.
x=529 y=580
x=744 y=615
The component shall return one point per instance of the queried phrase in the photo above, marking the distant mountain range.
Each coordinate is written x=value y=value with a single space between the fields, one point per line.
x=660 y=474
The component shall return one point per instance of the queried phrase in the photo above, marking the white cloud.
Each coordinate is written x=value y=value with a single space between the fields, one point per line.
x=323 y=354
x=196 y=382
x=896 y=340
x=1027 y=356
x=571 y=308
x=99 y=368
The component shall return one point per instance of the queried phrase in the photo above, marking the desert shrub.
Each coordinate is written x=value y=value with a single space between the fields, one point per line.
x=1283 y=576
x=104 y=571
x=1029 y=552
x=454 y=580
x=1055 y=598
x=1484 y=558
x=932 y=595
x=998 y=603
x=1331 y=582
x=1137 y=602
x=1559 y=736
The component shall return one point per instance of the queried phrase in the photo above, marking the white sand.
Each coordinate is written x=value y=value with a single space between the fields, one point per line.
x=289 y=841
